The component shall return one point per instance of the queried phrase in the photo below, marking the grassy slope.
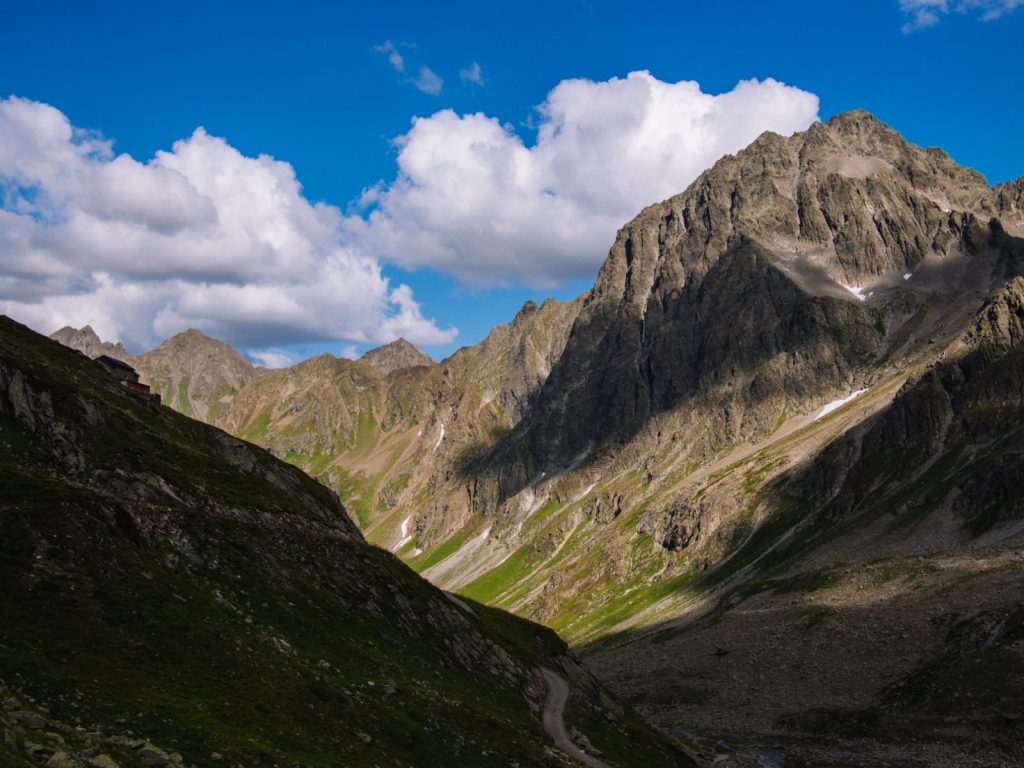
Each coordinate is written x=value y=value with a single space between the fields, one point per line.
x=239 y=612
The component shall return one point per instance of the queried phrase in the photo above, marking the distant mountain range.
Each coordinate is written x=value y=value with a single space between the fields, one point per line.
x=763 y=474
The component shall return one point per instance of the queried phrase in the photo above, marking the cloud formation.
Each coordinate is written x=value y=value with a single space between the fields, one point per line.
x=472 y=74
x=395 y=58
x=272 y=358
x=473 y=200
x=428 y=81
x=200 y=235
x=927 y=13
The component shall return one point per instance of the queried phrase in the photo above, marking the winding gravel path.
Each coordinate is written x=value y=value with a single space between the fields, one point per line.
x=554 y=722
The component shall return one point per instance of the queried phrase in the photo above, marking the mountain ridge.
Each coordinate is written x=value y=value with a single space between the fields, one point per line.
x=396 y=355
x=156 y=536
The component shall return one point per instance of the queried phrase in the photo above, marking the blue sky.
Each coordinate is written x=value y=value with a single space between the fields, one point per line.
x=311 y=84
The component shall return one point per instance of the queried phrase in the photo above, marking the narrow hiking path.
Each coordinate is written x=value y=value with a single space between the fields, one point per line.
x=554 y=722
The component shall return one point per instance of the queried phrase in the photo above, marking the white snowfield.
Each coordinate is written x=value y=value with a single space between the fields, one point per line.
x=406 y=537
x=858 y=292
x=440 y=437
x=835 y=404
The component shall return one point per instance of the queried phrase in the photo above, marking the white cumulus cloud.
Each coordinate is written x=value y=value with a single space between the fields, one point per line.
x=473 y=200
x=200 y=235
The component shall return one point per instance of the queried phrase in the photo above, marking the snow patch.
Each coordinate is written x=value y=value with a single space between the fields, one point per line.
x=835 y=404
x=907 y=276
x=440 y=437
x=526 y=499
x=417 y=552
x=856 y=291
x=406 y=537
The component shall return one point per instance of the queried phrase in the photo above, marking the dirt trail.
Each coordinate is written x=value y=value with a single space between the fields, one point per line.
x=554 y=724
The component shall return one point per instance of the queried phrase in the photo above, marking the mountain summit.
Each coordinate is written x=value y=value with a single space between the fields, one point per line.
x=196 y=374
x=758 y=289
x=395 y=356
x=89 y=344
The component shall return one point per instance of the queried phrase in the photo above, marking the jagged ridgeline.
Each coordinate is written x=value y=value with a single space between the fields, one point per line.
x=589 y=457
x=173 y=595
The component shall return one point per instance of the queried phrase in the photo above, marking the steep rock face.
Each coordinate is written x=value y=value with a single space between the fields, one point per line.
x=733 y=332
x=162 y=577
x=747 y=271
x=396 y=355
x=195 y=374
x=889 y=563
x=89 y=344
x=954 y=433
x=1010 y=206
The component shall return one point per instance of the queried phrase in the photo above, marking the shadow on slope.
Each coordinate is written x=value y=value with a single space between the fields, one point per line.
x=730 y=354
x=881 y=599
x=164 y=581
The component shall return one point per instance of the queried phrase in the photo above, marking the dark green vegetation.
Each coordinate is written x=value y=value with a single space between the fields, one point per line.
x=162 y=581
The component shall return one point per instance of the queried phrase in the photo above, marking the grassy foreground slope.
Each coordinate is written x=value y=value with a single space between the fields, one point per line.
x=171 y=595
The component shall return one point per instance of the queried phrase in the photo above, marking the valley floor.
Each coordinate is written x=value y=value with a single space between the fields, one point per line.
x=910 y=645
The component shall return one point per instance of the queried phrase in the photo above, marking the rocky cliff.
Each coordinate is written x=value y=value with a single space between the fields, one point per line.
x=875 y=616
x=89 y=344
x=745 y=295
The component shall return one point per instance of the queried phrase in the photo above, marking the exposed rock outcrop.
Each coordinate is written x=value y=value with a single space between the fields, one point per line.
x=86 y=341
x=395 y=356
x=195 y=374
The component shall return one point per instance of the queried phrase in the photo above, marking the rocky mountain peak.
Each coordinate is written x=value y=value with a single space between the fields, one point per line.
x=196 y=374
x=525 y=311
x=1010 y=205
x=86 y=341
x=193 y=337
x=395 y=356
x=800 y=237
